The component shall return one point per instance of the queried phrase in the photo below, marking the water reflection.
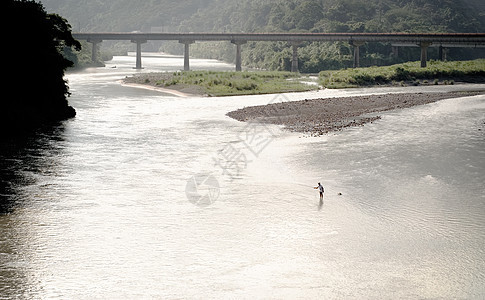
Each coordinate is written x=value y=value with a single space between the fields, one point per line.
x=29 y=166
x=26 y=161
x=320 y=204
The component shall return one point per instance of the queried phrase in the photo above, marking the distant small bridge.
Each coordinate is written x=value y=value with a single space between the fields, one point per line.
x=422 y=40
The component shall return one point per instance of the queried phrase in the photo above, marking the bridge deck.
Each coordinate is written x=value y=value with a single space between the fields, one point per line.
x=468 y=38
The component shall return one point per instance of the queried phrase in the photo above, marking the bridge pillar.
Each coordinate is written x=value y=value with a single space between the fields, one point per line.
x=424 y=53
x=356 y=45
x=395 y=51
x=138 y=52
x=186 y=53
x=294 y=56
x=442 y=51
x=238 y=54
x=94 y=51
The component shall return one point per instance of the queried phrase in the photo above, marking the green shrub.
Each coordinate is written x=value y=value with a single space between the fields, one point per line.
x=401 y=74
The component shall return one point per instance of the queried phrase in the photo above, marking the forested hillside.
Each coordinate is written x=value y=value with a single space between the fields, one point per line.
x=337 y=16
x=281 y=16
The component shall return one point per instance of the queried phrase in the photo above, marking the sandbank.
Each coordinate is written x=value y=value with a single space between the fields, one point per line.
x=321 y=116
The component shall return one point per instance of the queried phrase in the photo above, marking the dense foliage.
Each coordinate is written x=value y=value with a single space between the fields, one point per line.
x=284 y=16
x=34 y=85
x=437 y=72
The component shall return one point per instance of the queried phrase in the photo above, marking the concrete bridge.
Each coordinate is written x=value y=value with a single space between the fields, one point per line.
x=422 y=40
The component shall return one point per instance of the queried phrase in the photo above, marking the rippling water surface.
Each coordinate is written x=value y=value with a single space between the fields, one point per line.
x=98 y=207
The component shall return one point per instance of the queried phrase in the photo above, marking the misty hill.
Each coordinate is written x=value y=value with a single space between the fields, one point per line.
x=271 y=15
x=281 y=16
x=125 y=15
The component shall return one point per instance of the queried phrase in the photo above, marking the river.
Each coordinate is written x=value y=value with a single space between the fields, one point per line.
x=150 y=195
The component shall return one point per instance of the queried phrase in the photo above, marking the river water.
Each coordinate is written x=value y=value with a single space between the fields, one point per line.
x=150 y=195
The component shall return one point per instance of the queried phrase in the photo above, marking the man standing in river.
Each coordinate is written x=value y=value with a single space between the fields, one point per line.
x=320 y=187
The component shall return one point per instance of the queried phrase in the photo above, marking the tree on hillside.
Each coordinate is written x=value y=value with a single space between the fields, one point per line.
x=34 y=83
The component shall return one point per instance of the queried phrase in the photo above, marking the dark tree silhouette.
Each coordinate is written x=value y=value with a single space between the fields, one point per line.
x=35 y=91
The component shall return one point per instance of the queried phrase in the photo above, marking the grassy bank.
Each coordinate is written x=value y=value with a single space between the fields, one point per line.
x=216 y=83
x=411 y=73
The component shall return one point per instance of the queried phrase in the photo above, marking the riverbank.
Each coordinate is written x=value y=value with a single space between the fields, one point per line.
x=217 y=83
x=180 y=93
x=407 y=74
x=321 y=116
